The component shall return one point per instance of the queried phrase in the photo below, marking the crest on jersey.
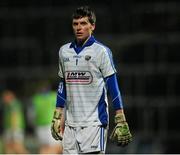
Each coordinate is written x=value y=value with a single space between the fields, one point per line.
x=78 y=77
x=87 y=57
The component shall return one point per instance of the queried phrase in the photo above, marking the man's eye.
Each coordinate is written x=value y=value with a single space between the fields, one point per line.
x=83 y=23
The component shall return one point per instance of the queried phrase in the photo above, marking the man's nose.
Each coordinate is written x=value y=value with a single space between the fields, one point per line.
x=79 y=26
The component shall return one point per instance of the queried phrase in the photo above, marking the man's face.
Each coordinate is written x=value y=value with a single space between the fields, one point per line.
x=82 y=28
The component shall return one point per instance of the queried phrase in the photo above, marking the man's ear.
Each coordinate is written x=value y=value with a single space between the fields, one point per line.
x=93 y=26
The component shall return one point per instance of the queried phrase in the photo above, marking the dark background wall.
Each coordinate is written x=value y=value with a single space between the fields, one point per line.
x=144 y=37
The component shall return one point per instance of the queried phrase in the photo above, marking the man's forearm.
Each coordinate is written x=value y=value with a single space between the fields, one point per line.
x=113 y=89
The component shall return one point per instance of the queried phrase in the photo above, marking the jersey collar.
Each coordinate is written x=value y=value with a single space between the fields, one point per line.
x=78 y=49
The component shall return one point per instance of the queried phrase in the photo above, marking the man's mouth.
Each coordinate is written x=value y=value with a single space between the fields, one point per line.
x=79 y=34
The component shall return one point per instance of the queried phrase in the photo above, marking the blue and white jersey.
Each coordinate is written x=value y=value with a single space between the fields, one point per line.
x=84 y=70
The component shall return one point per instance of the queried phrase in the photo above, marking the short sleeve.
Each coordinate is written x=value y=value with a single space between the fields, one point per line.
x=107 y=65
x=60 y=73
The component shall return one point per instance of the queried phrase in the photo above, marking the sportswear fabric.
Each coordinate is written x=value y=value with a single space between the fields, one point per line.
x=14 y=109
x=79 y=140
x=83 y=70
x=113 y=89
x=44 y=107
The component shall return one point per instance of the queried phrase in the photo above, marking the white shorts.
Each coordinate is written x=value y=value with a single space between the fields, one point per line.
x=44 y=136
x=84 y=139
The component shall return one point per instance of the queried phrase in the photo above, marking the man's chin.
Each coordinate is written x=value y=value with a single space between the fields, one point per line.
x=80 y=39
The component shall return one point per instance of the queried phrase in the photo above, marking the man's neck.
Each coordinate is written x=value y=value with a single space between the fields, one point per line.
x=82 y=42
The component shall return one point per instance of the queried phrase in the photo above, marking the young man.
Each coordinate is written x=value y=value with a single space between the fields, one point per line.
x=87 y=72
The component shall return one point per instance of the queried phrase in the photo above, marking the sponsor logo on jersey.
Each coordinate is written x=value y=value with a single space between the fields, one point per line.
x=78 y=77
x=94 y=146
x=66 y=59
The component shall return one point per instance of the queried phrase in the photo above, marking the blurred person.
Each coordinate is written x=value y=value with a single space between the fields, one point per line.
x=43 y=105
x=86 y=73
x=13 y=124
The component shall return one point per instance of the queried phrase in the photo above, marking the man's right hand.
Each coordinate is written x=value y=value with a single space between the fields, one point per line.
x=56 y=125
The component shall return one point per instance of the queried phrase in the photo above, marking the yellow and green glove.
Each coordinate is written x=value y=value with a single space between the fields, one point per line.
x=56 y=125
x=121 y=132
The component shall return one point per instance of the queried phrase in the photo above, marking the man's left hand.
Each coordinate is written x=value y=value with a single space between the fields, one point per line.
x=121 y=132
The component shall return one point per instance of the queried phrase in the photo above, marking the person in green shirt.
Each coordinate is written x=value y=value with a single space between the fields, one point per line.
x=13 y=123
x=44 y=101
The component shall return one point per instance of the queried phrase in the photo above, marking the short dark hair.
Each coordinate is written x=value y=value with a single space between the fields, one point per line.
x=85 y=11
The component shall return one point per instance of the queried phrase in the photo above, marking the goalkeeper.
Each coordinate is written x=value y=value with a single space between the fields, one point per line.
x=87 y=72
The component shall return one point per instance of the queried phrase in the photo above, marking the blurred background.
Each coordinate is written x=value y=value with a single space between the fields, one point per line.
x=144 y=37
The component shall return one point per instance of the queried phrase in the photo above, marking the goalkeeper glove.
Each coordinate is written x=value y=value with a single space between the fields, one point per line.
x=56 y=125
x=121 y=132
